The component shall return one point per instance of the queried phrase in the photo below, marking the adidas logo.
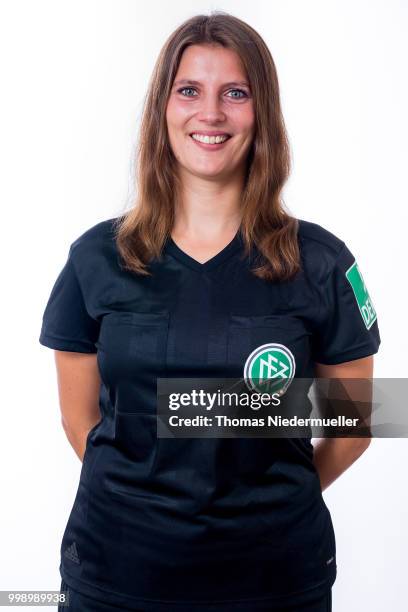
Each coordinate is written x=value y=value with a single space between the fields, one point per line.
x=72 y=553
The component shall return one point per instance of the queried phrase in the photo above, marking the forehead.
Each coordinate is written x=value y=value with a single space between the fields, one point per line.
x=210 y=61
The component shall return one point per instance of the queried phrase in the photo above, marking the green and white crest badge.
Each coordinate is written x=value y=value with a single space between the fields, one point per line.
x=270 y=368
x=364 y=302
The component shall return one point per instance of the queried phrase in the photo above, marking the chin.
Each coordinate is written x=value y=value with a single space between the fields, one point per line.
x=207 y=174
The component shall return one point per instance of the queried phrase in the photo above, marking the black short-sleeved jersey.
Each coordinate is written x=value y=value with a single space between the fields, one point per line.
x=191 y=523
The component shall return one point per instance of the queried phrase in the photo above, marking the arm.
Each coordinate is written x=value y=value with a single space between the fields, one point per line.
x=332 y=456
x=78 y=388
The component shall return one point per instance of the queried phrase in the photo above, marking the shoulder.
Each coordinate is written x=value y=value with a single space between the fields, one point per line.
x=320 y=249
x=93 y=239
x=314 y=236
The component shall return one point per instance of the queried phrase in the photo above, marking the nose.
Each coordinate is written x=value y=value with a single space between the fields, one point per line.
x=211 y=109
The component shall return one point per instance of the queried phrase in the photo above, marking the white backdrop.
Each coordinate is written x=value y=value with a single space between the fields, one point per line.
x=74 y=74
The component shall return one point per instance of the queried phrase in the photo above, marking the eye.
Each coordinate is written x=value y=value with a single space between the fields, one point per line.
x=186 y=89
x=245 y=95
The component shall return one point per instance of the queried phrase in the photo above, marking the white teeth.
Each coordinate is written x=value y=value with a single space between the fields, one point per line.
x=209 y=139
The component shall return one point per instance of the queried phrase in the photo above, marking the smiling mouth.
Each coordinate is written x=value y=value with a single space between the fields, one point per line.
x=210 y=140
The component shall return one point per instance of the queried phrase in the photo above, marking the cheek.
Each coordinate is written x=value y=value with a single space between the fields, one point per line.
x=172 y=121
x=176 y=114
x=245 y=120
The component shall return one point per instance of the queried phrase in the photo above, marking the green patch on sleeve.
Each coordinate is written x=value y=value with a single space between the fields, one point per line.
x=363 y=299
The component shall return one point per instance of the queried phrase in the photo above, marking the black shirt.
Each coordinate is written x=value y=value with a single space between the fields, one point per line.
x=217 y=524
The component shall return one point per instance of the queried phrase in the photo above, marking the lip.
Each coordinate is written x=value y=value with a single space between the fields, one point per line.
x=209 y=133
x=208 y=146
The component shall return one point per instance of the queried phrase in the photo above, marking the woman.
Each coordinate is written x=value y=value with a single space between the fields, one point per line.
x=203 y=270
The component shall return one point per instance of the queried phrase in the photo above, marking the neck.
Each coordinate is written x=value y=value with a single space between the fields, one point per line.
x=206 y=208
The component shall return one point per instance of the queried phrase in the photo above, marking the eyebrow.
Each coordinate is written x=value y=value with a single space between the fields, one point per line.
x=230 y=84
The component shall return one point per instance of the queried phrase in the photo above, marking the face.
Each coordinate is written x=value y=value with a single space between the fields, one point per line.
x=210 y=95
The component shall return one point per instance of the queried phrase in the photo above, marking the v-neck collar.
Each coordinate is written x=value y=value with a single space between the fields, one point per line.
x=233 y=246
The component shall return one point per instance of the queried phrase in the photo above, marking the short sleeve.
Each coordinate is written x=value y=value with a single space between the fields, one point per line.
x=347 y=328
x=66 y=323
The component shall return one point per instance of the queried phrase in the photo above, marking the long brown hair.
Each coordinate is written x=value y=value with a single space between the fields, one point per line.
x=141 y=232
